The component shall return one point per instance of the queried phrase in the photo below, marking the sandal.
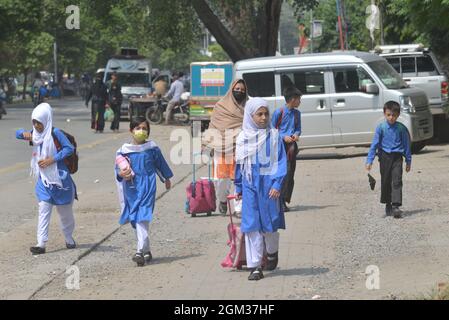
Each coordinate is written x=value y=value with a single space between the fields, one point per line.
x=256 y=274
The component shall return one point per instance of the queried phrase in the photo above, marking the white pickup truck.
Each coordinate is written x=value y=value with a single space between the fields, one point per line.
x=419 y=67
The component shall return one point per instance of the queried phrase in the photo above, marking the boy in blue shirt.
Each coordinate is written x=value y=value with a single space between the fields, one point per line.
x=288 y=121
x=392 y=142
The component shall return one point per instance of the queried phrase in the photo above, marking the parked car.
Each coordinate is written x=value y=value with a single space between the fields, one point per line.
x=420 y=68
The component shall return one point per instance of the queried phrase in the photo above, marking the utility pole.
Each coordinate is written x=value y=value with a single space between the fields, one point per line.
x=55 y=59
x=381 y=16
x=340 y=29
x=311 y=31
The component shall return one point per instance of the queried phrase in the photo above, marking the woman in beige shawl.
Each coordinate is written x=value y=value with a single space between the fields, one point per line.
x=225 y=125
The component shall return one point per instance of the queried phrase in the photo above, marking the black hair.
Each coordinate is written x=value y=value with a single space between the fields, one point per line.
x=393 y=107
x=291 y=93
x=180 y=74
x=137 y=121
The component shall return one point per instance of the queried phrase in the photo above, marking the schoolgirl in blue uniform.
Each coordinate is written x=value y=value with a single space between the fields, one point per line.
x=137 y=184
x=54 y=186
x=261 y=168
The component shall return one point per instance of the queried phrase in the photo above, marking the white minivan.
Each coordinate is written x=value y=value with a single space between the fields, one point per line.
x=343 y=95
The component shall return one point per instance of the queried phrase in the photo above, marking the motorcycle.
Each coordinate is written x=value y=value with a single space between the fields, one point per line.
x=157 y=113
x=2 y=100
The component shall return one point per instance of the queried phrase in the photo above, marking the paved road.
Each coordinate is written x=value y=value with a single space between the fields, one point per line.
x=334 y=232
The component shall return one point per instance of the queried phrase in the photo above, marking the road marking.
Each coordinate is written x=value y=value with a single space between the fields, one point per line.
x=22 y=165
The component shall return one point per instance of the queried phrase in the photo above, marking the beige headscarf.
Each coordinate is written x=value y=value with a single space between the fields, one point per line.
x=227 y=120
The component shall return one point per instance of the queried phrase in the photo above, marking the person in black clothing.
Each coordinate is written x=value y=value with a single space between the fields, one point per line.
x=115 y=100
x=99 y=95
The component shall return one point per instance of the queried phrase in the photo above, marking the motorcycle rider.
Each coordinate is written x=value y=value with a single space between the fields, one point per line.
x=36 y=86
x=99 y=95
x=115 y=100
x=176 y=89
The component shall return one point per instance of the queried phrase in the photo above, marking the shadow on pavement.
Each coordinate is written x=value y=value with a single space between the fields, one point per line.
x=330 y=156
x=297 y=272
x=306 y=208
x=166 y=260
x=87 y=246
x=413 y=212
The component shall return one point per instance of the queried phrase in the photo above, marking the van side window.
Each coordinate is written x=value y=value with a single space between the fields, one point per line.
x=395 y=63
x=425 y=66
x=260 y=84
x=309 y=82
x=408 y=66
x=351 y=79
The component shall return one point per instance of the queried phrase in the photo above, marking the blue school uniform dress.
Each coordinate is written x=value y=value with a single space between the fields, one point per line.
x=140 y=192
x=259 y=212
x=54 y=194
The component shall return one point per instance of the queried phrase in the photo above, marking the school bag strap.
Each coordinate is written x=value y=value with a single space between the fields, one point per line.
x=280 y=119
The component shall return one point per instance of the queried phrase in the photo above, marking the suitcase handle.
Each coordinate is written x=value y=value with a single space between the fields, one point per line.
x=230 y=197
x=208 y=166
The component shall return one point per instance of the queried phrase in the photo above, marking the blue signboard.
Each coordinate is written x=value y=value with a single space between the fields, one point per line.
x=210 y=79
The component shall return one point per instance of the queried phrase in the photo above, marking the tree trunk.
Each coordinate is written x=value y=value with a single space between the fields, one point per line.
x=25 y=76
x=270 y=20
x=229 y=44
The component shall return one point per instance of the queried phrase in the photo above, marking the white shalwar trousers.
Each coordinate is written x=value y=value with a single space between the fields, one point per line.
x=255 y=246
x=143 y=239
x=66 y=219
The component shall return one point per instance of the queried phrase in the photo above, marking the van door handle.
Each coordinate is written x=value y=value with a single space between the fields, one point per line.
x=340 y=103
x=407 y=79
x=321 y=106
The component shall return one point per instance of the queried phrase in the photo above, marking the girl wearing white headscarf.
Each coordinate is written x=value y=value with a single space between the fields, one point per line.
x=261 y=168
x=54 y=185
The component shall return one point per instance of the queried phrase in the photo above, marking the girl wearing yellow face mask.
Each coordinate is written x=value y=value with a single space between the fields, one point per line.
x=137 y=184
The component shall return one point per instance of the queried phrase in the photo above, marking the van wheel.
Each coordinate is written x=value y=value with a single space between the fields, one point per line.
x=193 y=215
x=417 y=146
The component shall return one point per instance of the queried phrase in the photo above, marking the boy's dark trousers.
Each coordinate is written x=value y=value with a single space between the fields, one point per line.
x=288 y=184
x=391 y=178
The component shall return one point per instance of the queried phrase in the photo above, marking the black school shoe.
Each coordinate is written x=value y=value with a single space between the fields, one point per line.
x=139 y=259
x=397 y=213
x=272 y=261
x=256 y=274
x=388 y=210
x=223 y=207
x=37 y=250
x=284 y=207
x=70 y=246
x=148 y=257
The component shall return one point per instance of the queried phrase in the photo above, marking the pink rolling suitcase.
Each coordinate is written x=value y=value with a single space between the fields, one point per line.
x=236 y=257
x=201 y=196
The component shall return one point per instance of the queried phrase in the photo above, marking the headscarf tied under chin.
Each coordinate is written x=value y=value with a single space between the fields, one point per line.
x=44 y=147
x=253 y=138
